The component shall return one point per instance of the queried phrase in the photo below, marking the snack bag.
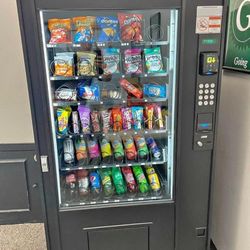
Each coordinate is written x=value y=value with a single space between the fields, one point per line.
x=153 y=179
x=130 y=180
x=107 y=183
x=106 y=150
x=127 y=118
x=95 y=120
x=64 y=64
x=94 y=151
x=149 y=114
x=84 y=113
x=158 y=115
x=133 y=61
x=85 y=29
x=106 y=117
x=131 y=27
x=119 y=183
x=63 y=115
x=86 y=63
x=108 y=27
x=141 y=146
x=155 y=90
x=153 y=60
x=130 y=148
x=117 y=119
x=131 y=88
x=137 y=114
x=111 y=60
x=117 y=146
x=141 y=179
x=66 y=92
x=88 y=92
x=81 y=150
x=59 y=31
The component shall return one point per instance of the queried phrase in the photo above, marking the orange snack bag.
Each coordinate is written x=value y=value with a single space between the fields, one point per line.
x=59 y=30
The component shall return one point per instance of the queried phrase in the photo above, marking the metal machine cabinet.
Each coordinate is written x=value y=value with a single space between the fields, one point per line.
x=125 y=102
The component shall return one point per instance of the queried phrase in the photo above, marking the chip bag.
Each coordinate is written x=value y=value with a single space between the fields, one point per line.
x=153 y=60
x=111 y=60
x=86 y=63
x=85 y=29
x=131 y=27
x=59 y=30
x=108 y=27
x=63 y=115
x=64 y=64
x=133 y=61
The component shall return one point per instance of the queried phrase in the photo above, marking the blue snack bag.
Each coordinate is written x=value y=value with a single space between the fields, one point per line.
x=95 y=182
x=108 y=27
x=88 y=92
x=154 y=90
x=85 y=29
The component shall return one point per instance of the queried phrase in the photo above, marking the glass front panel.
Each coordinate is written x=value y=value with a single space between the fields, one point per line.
x=111 y=79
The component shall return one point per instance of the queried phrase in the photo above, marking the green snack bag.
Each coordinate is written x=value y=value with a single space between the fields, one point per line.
x=118 y=181
x=117 y=149
x=141 y=179
x=153 y=60
x=108 y=187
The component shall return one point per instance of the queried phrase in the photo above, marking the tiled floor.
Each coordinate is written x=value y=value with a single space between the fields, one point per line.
x=22 y=237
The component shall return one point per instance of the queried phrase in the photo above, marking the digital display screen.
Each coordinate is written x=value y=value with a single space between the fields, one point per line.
x=211 y=59
x=209 y=41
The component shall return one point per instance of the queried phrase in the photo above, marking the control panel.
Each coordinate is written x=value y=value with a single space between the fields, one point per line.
x=206 y=91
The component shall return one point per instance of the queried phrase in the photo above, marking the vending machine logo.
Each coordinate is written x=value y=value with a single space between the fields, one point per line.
x=237 y=54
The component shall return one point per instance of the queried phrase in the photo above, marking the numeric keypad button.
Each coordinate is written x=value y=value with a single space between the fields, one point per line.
x=206 y=103
x=200 y=103
x=212 y=85
x=201 y=85
x=200 y=91
x=206 y=85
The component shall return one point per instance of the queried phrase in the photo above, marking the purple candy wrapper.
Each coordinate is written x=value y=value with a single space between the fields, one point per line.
x=127 y=118
x=84 y=113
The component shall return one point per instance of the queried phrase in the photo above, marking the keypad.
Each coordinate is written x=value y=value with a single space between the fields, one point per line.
x=206 y=94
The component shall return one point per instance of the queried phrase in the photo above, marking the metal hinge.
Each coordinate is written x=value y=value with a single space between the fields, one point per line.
x=44 y=163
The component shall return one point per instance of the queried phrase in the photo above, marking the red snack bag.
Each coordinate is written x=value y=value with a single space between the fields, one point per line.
x=131 y=88
x=131 y=27
x=130 y=148
x=133 y=61
x=117 y=119
x=59 y=30
x=130 y=180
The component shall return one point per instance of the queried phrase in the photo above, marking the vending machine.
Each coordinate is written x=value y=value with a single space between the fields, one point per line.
x=124 y=97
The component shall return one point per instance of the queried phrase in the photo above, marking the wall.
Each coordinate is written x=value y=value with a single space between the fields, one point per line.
x=15 y=125
x=231 y=208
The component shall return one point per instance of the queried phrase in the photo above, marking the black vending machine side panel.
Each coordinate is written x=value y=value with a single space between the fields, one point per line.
x=197 y=128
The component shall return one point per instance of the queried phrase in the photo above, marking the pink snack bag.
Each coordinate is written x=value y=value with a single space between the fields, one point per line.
x=133 y=61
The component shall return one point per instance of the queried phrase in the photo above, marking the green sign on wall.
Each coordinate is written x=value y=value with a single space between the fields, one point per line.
x=237 y=54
